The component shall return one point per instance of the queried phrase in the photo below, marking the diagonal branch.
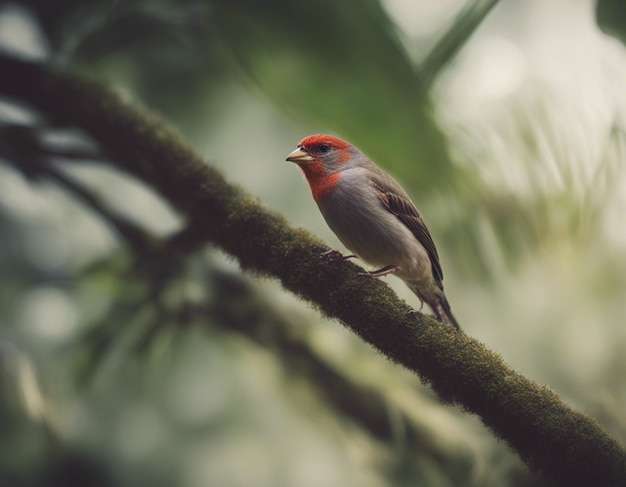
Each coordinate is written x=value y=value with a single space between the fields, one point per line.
x=563 y=445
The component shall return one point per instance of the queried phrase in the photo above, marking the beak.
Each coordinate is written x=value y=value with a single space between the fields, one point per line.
x=299 y=155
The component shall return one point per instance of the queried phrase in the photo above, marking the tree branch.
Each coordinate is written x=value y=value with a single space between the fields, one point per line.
x=561 y=444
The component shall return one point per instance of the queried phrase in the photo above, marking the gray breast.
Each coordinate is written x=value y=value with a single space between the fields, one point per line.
x=358 y=218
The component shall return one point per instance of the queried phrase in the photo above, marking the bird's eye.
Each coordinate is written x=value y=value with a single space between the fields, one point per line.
x=324 y=148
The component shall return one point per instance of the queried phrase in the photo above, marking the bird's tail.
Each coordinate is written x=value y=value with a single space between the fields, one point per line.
x=444 y=313
x=436 y=299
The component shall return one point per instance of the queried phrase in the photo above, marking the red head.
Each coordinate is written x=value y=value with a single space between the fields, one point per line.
x=322 y=158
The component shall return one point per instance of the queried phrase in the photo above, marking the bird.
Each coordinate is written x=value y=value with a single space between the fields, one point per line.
x=373 y=217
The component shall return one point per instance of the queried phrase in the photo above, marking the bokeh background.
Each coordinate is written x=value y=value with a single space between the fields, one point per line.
x=506 y=122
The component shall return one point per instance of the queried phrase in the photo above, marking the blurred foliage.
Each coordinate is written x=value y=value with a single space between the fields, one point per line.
x=304 y=58
x=156 y=363
x=321 y=66
x=611 y=15
x=465 y=23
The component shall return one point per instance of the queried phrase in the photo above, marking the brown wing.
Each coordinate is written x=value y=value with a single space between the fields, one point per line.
x=395 y=200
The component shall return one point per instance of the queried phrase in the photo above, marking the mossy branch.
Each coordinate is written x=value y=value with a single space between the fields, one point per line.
x=562 y=445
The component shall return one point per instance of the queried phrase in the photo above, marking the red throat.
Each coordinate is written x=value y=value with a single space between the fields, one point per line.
x=321 y=183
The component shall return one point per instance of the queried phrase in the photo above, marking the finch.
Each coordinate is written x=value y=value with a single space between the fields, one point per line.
x=373 y=217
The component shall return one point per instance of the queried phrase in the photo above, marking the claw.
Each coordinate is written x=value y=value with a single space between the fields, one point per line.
x=417 y=311
x=334 y=254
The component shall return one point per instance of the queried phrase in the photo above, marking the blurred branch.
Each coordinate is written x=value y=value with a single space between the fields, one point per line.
x=21 y=147
x=563 y=445
x=459 y=32
x=238 y=307
x=231 y=305
x=137 y=238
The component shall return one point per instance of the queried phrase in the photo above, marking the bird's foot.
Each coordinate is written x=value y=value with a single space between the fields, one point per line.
x=381 y=272
x=334 y=254
x=417 y=311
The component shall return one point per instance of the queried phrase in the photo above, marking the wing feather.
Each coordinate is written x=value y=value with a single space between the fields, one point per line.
x=397 y=202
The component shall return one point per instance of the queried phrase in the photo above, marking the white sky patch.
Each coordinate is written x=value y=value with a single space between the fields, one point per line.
x=420 y=19
x=49 y=314
x=19 y=33
x=493 y=68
